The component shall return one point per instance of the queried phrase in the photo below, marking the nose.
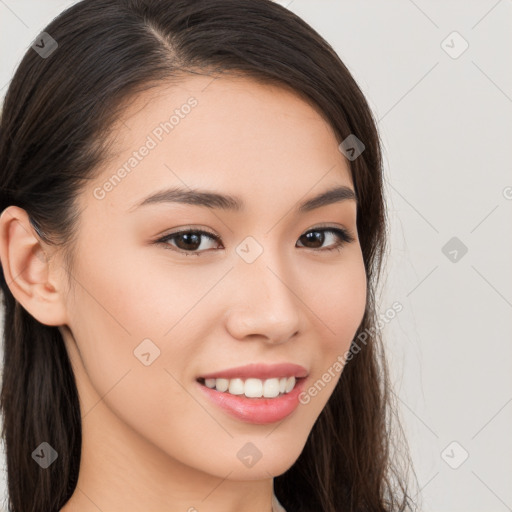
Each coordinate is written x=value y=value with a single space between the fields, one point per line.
x=264 y=303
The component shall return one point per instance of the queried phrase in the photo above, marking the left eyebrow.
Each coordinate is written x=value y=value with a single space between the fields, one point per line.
x=215 y=200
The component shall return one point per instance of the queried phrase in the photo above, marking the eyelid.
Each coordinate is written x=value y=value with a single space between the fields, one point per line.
x=189 y=229
x=196 y=229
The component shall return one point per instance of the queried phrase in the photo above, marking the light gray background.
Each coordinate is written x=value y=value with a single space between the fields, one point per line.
x=446 y=125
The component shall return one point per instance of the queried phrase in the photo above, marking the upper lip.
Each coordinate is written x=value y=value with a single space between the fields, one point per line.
x=260 y=371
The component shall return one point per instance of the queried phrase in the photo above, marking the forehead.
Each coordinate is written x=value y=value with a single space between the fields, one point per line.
x=228 y=133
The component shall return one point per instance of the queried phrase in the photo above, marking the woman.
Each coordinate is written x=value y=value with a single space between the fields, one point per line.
x=137 y=133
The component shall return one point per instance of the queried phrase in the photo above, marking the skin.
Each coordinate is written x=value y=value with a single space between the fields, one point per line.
x=151 y=440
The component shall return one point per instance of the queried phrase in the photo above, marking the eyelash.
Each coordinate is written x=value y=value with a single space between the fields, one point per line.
x=344 y=238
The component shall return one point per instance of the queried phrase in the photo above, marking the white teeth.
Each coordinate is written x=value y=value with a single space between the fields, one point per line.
x=290 y=383
x=210 y=383
x=253 y=388
x=236 y=387
x=271 y=388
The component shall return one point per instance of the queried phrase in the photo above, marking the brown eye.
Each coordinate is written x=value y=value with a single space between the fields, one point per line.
x=317 y=238
x=188 y=241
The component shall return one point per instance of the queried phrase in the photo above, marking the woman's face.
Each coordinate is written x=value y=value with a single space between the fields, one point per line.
x=148 y=318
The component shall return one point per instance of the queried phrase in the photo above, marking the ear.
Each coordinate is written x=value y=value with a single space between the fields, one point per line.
x=25 y=259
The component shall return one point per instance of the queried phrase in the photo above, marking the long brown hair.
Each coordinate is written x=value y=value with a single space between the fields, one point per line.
x=56 y=115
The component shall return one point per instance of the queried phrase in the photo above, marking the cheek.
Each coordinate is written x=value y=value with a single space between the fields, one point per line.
x=116 y=306
x=339 y=310
x=109 y=322
x=340 y=304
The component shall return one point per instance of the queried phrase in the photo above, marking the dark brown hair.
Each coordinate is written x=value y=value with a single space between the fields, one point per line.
x=56 y=116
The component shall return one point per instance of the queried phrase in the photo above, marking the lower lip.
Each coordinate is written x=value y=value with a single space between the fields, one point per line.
x=256 y=410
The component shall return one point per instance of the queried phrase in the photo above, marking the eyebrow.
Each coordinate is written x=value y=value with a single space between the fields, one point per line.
x=214 y=200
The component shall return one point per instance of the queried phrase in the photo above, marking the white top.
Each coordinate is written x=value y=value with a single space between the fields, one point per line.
x=276 y=506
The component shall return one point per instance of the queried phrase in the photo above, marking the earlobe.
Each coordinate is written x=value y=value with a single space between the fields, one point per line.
x=27 y=269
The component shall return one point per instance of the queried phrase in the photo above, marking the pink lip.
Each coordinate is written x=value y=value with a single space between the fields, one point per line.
x=260 y=371
x=256 y=410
